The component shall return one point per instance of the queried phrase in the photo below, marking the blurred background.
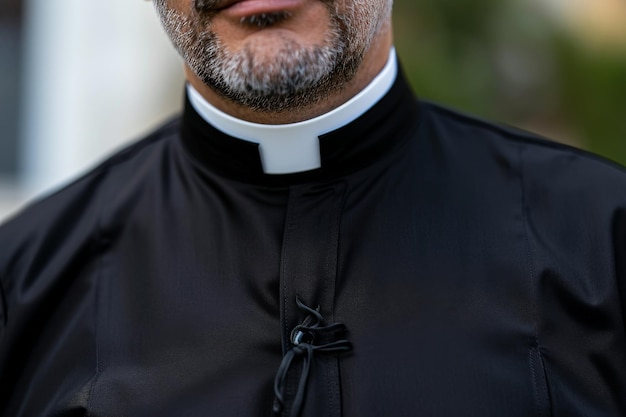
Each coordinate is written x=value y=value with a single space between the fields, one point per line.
x=79 y=79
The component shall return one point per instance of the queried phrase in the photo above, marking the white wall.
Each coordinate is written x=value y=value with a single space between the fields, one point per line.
x=98 y=74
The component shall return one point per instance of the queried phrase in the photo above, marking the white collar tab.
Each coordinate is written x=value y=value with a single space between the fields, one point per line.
x=292 y=148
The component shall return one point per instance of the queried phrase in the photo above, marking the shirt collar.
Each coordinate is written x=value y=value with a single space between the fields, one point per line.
x=295 y=147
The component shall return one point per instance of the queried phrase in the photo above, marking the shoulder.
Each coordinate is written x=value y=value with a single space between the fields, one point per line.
x=541 y=163
x=73 y=214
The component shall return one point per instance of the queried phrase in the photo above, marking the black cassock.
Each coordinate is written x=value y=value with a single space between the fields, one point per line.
x=436 y=265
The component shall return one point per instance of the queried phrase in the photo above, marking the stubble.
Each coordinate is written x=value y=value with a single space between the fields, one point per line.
x=293 y=77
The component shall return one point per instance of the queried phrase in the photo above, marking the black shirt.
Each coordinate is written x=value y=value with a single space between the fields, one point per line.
x=454 y=267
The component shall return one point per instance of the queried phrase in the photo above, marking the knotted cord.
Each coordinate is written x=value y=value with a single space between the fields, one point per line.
x=303 y=337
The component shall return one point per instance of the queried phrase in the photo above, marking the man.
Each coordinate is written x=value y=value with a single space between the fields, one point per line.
x=310 y=240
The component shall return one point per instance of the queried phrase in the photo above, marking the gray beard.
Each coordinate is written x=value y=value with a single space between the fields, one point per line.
x=296 y=77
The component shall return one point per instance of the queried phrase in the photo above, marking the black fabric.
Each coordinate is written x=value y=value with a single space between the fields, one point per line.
x=478 y=271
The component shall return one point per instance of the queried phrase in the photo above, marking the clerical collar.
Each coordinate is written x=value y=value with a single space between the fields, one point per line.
x=361 y=147
x=295 y=147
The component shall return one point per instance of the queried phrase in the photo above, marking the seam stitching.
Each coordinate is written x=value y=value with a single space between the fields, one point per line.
x=102 y=247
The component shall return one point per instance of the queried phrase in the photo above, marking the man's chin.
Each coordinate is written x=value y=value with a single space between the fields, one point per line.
x=270 y=91
x=273 y=82
x=270 y=43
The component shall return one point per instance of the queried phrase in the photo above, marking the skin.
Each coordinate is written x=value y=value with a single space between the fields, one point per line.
x=307 y=25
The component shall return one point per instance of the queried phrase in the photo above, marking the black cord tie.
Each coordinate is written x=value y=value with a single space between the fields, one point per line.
x=303 y=338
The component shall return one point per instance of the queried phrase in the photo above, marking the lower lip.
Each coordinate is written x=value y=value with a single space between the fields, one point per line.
x=255 y=7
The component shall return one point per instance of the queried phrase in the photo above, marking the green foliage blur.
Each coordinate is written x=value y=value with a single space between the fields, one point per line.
x=507 y=61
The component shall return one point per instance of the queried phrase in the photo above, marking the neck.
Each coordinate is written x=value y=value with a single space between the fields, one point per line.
x=295 y=147
x=373 y=62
